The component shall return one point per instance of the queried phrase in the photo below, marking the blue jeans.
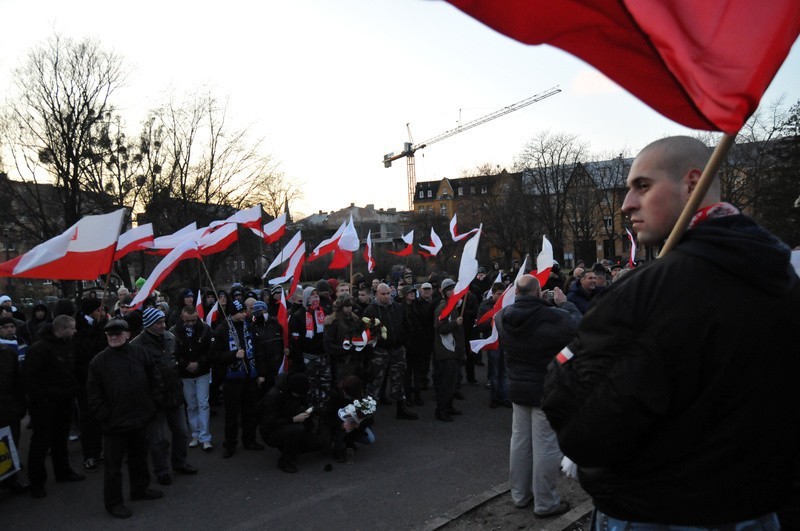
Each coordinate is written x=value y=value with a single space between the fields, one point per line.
x=498 y=378
x=603 y=522
x=195 y=391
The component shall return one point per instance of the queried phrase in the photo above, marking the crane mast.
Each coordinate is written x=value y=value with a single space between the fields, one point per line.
x=409 y=148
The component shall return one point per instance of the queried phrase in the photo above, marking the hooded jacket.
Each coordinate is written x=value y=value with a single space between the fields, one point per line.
x=681 y=402
x=50 y=368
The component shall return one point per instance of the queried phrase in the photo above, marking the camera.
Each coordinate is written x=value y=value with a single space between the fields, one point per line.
x=549 y=294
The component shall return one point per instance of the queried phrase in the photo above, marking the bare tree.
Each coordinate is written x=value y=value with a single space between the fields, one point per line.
x=275 y=192
x=547 y=162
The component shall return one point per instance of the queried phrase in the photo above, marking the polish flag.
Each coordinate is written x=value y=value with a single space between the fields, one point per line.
x=249 y=217
x=294 y=268
x=199 y=306
x=632 y=259
x=490 y=343
x=283 y=319
x=164 y=244
x=467 y=271
x=273 y=231
x=286 y=253
x=329 y=245
x=544 y=262
x=83 y=252
x=348 y=243
x=218 y=240
x=454 y=230
x=507 y=298
x=212 y=314
x=409 y=248
x=135 y=239
x=368 y=254
x=187 y=249
x=434 y=248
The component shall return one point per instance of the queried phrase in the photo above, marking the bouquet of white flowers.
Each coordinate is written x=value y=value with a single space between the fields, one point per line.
x=353 y=414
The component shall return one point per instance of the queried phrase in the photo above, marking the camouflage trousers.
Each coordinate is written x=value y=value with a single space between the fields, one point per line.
x=394 y=361
x=318 y=370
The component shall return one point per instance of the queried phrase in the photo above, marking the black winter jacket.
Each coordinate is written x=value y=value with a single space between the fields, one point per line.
x=162 y=351
x=193 y=349
x=681 y=402
x=12 y=387
x=50 y=368
x=531 y=333
x=122 y=387
x=396 y=321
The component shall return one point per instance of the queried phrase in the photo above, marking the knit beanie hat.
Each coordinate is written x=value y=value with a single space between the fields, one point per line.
x=150 y=316
x=333 y=283
x=259 y=307
x=307 y=293
x=139 y=283
x=238 y=306
x=89 y=305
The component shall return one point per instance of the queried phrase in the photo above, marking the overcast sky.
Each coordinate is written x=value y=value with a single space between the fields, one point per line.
x=331 y=84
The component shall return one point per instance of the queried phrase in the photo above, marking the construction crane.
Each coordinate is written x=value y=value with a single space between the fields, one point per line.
x=409 y=148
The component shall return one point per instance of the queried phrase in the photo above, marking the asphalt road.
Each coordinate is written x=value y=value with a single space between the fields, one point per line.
x=416 y=471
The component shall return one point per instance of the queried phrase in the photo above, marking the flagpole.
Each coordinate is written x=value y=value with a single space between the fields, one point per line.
x=111 y=265
x=699 y=192
x=208 y=275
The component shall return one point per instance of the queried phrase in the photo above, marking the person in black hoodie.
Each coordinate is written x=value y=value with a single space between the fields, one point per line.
x=39 y=315
x=123 y=386
x=52 y=386
x=678 y=400
x=531 y=332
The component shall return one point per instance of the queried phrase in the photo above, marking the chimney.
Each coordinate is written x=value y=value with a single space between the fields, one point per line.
x=370 y=207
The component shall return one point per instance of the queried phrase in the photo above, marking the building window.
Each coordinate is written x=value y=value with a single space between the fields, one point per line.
x=430 y=193
x=421 y=209
x=443 y=209
x=609 y=223
x=460 y=190
x=430 y=209
x=421 y=194
x=472 y=190
x=483 y=189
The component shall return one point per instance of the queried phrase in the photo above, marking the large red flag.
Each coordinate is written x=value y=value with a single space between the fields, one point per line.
x=704 y=64
x=83 y=252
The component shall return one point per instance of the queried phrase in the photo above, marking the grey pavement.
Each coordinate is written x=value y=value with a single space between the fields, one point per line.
x=416 y=472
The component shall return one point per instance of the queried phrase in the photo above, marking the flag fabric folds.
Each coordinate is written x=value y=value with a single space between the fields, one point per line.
x=454 y=230
x=409 y=248
x=212 y=314
x=693 y=61
x=274 y=230
x=435 y=246
x=82 y=252
x=164 y=244
x=544 y=262
x=507 y=298
x=467 y=271
x=249 y=217
x=198 y=304
x=185 y=250
x=368 y=254
x=294 y=268
x=136 y=239
x=286 y=253
x=632 y=257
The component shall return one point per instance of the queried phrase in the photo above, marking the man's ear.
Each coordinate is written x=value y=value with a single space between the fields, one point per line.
x=691 y=179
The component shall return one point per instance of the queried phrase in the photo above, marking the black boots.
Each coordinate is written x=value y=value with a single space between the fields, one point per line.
x=403 y=413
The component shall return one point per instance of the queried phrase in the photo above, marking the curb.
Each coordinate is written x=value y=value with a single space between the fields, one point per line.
x=455 y=512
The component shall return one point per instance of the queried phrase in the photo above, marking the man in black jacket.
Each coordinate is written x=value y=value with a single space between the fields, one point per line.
x=160 y=345
x=122 y=387
x=193 y=354
x=90 y=340
x=678 y=400
x=389 y=354
x=50 y=374
x=12 y=399
x=531 y=333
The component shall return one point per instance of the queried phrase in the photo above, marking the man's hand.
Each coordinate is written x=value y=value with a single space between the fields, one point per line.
x=240 y=353
x=192 y=367
x=300 y=417
x=459 y=320
x=558 y=297
x=261 y=380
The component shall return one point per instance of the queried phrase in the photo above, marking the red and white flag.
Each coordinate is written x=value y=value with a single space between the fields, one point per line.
x=273 y=230
x=544 y=262
x=294 y=268
x=691 y=60
x=218 y=240
x=199 y=305
x=136 y=239
x=409 y=248
x=507 y=298
x=467 y=271
x=348 y=243
x=632 y=258
x=164 y=244
x=286 y=253
x=283 y=319
x=490 y=343
x=185 y=250
x=435 y=246
x=83 y=252
x=368 y=254
x=454 y=230
x=329 y=245
x=213 y=313
x=249 y=217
